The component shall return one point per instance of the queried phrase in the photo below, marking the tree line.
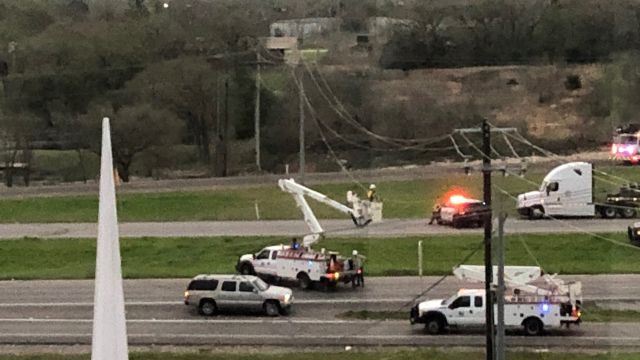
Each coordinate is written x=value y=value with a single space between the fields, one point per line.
x=180 y=72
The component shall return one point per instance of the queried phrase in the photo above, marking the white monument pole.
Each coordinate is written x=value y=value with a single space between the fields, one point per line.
x=109 y=326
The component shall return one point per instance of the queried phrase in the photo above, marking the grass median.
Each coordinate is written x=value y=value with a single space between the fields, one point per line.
x=402 y=199
x=34 y=258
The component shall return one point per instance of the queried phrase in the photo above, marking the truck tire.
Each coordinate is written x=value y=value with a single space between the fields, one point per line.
x=535 y=213
x=434 y=325
x=628 y=212
x=271 y=308
x=247 y=269
x=207 y=307
x=533 y=326
x=608 y=212
x=304 y=280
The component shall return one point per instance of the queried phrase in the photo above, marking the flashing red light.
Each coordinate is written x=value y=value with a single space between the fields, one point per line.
x=614 y=149
x=457 y=199
x=359 y=271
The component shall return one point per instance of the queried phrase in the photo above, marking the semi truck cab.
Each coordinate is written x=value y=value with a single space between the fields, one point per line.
x=567 y=190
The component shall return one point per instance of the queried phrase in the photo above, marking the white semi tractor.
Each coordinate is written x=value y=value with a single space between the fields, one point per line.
x=568 y=191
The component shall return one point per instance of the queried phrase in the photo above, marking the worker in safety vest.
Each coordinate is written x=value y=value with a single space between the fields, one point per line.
x=371 y=194
x=357 y=261
x=435 y=213
x=295 y=245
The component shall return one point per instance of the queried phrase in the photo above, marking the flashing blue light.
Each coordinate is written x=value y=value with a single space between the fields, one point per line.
x=310 y=263
x=545 y=307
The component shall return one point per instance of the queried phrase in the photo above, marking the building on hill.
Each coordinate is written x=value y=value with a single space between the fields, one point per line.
x=281 y=48
x=304 y=28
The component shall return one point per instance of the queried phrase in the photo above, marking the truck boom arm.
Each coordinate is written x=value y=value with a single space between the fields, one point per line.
x=526 y=278
x=299 y=192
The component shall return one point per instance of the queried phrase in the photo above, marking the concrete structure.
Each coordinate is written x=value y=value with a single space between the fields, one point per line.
x=303 y=28
x=109 y=339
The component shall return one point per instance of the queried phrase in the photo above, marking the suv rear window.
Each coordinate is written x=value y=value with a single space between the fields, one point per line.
x=206 y=285
x=229 y=286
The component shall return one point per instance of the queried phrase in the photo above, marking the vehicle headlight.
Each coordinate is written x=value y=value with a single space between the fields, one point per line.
x=286 y=298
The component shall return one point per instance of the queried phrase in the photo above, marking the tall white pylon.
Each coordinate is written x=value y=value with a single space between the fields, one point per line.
x=109 y=326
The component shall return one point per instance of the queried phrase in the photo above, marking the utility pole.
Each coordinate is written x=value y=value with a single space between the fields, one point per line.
x=225 y=129
x=257 y=113
x=301 y=121
x=488 y=225
x=486 y=130
x=500 y=345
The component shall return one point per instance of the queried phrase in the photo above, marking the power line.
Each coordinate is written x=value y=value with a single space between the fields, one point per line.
x=343 y=113
x=564 y=223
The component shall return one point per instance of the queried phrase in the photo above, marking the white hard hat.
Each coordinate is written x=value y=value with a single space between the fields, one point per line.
x=354 y=253
x=372 y=186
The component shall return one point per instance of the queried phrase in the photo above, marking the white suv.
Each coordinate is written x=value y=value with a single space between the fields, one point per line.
x=214 y=293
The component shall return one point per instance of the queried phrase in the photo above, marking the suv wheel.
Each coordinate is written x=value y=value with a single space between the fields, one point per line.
x=208 y=308
x=271 y=308
x=304 y=280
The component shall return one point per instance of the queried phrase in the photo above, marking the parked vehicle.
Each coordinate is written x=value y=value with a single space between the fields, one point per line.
x=299 y=262
x=626 y=144
x=215 y=293
x=304 y=265
x=568 y=191
x=460 y=211
x=531 y=308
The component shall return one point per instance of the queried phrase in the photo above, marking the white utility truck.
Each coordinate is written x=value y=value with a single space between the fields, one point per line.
x=533 y=302
x=284 y=262
x=567 y=191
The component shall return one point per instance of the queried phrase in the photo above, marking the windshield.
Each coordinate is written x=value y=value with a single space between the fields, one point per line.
x=543 y=187
x=261 y=285
x=449 y=300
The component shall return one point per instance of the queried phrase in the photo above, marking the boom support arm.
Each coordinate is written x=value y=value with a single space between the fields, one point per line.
x=299 y=192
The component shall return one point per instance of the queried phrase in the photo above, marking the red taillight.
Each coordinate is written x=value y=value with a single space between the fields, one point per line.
x=359 y=271
x=330 y=276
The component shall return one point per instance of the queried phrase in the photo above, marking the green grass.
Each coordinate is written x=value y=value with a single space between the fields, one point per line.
x=594 y=313
x=591 y=313
x=402 y=199
x=369 y=354
x=185 y=257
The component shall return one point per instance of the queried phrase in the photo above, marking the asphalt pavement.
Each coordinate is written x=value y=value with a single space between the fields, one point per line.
x=60 y=312
x=386 y=228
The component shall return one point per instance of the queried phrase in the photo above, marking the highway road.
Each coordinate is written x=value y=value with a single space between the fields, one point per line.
x=60 y=312
x=387 y=228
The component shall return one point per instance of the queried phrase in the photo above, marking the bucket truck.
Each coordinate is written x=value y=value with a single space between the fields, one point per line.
x=301 y=263
x=533 y=302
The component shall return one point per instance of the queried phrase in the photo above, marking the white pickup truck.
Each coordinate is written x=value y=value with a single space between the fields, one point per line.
x=306 y=266
x=466 y=309
x=533 y=302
